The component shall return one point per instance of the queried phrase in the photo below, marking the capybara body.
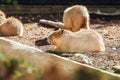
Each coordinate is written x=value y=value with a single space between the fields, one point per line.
x=11 y=27
x=80 y=41
x=75 y=18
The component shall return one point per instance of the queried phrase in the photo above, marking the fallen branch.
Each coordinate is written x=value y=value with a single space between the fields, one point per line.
x=50 y=24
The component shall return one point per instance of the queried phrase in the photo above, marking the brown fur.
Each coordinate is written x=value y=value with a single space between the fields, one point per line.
x=80 y=41
x=56 y=34
x=11 y=27
x=75 y=18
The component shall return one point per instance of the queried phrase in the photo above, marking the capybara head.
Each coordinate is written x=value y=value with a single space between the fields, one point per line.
x=53 y=37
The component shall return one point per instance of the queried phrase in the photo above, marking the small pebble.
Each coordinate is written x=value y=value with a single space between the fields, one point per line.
x=114 y=48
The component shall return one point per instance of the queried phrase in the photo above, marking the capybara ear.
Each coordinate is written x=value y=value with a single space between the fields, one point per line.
x=59 y=32
x=62 y=30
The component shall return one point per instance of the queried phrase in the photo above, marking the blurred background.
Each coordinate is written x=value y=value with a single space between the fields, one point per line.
x=55 y=8
x=61 y=2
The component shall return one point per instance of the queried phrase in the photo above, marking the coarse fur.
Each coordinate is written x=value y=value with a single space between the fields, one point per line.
x=75 y=18
x=81 y=41
x=2 y=16
x=11 y=27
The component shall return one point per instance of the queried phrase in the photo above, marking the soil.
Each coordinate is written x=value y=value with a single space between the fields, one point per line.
x=109 y=29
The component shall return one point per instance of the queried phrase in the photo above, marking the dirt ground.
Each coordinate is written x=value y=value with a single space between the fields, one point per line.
x=110 y=30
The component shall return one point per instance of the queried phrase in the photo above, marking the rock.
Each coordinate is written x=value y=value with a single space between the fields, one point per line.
x=82 y=58
x=114 y=48
x=116 y=69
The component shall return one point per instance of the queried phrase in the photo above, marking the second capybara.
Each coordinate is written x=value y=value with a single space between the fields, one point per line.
x=76 y=17
x=11 y=27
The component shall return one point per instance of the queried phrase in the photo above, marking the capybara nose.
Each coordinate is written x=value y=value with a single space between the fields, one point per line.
x=42 y=42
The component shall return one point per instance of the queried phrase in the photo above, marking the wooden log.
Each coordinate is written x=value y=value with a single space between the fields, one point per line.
x=50 y=24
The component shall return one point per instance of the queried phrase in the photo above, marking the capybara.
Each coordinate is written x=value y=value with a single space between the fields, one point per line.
x=81 y=41
x=75 y=18
x=11 y=27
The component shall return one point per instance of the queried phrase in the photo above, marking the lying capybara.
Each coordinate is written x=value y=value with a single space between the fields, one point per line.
x=81 y=41
x=11 y=27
